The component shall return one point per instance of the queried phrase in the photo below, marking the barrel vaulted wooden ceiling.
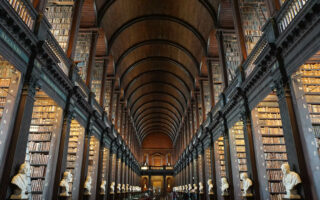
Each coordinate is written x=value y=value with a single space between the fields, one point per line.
x=159 y=50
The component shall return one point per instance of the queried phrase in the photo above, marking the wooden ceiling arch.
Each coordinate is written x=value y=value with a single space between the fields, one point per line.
x=157 y=47
x=157 y=118
x=160 y=107
x=155 y=86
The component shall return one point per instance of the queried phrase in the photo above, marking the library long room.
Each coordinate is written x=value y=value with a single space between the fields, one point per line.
x=160 y=99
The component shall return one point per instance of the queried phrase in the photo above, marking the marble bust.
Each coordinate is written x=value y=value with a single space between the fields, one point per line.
x=20 y=180
x=119 y=188
x=224 y=186
x=123 y=188
x=210 y=186
x=186 y=188
x=65 y=184
x=200 y=188
x=127 y=187
x=103 y=187
x=195 y=188
x=87 y=185
x=189 y=188
x=112 y=187
x=246 y=184
x=290 y=180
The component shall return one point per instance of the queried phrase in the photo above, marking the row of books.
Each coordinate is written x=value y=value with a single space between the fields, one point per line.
x=275 y=156
x=37 y=171
x=38 y=158
x=39 y=146
x=273 y=140
x=40 y=128
x=44 y=115
x=37 y=185
x=44 y=108
x=40 y=136
x=274 y=175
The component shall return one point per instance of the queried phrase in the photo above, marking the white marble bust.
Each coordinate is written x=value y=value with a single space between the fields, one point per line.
x=210 y=186
x=131 y=188
x=112 y=187
x=195 y=188
x=200 y=188
x=127 y=187
x=87 y=185
x=186 y=188
x=65 y=184
x=290 y=180
x=20 y=180
x=224 y=186
x=123 y=188
x=246 y=184
x=119 y=188
x=103 y=187
x=189 y=188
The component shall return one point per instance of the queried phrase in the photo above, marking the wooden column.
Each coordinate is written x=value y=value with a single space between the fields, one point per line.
x=202 y=101
x=121 y=120
x=222 y=60
x=273 y=6
x=74 y=29
x=19 y=138
x=192 y=121
x=227 y=157
x=84 y=165
x=117 y=111
x=103 y=84
x=210 y=80
x=100 y=168
x=213 y=168
x=40 y=5
x=92 y=55
x=239 y=29
x=197 y=110
x=111 y=100
x=63 y=148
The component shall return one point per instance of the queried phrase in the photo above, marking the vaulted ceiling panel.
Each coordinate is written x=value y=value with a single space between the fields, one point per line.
x=157 y=47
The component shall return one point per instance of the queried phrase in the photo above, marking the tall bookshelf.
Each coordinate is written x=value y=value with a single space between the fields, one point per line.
x=200 y=167
x=200 y=110
x=97 y=80
x=9 y=89
x=75 y=153
x=206 y=94
x=82 y=53
x=253 y=16
x=232 y=54
x=217 y=80
x=108 y=95
x=93 y=163
x=308 y=76
x=59 y=14
x=219 y=157
x=105 y=166
x=238 y=155
x=41 y=142
x=270 y=144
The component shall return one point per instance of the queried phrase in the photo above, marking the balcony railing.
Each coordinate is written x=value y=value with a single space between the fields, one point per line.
x=64 y=62
x=289 y=11
x=25 y=10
